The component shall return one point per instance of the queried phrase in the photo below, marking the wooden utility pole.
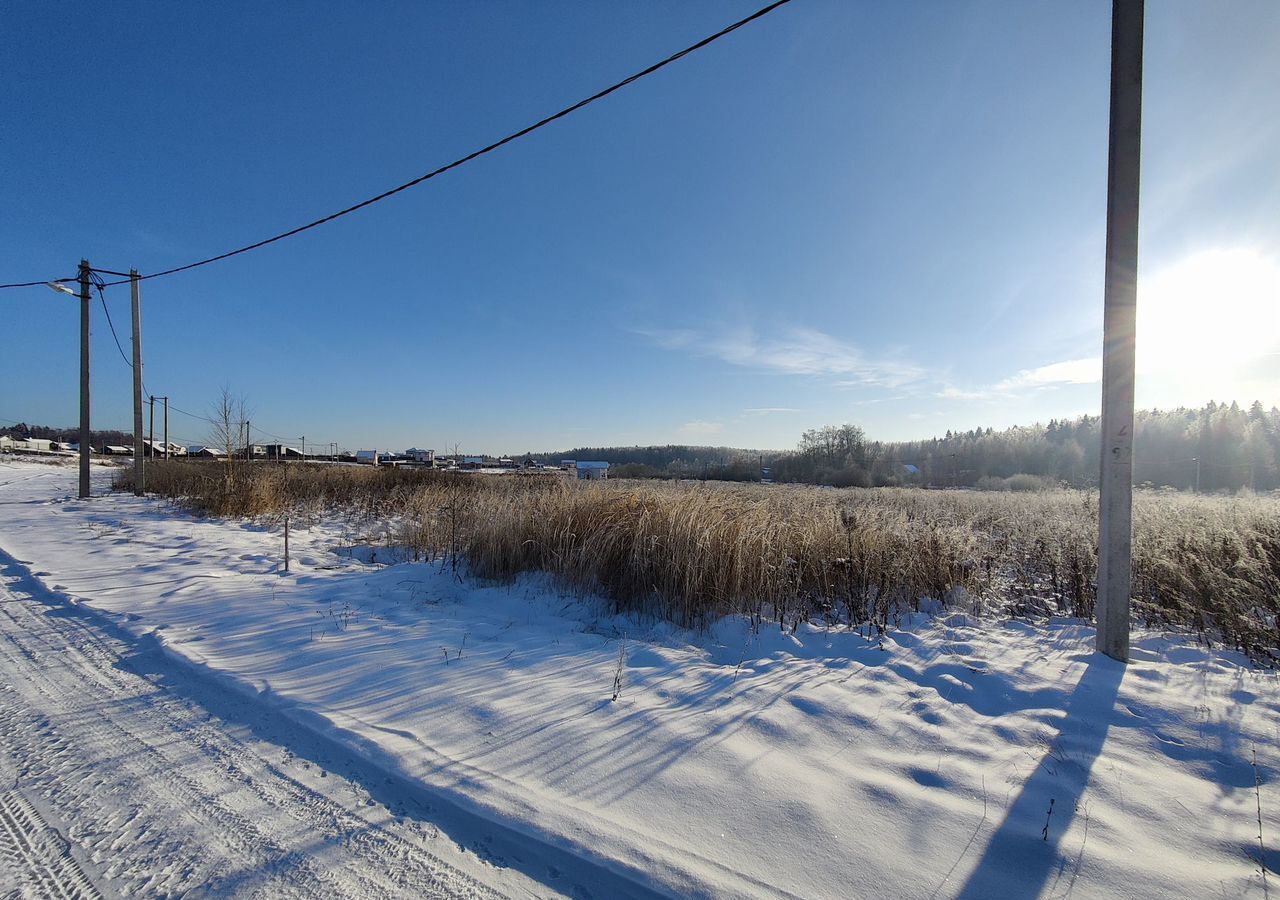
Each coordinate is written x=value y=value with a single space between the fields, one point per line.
x=139 y=464
x=1115 y=502
x=85 y=449
x=166 y=427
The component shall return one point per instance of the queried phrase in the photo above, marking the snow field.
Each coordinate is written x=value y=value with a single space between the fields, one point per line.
x=954 y=758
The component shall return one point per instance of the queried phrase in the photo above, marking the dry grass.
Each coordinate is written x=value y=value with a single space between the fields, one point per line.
x=691 y=552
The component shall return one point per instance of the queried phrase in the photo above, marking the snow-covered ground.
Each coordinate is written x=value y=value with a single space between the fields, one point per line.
x=954 y=759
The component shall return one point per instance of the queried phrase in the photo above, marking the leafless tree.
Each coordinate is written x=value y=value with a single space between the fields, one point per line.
x=227 y=417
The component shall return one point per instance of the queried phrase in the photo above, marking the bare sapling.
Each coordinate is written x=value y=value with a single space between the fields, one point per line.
x=1262 y=847
x=617 y=672
x=227 y=417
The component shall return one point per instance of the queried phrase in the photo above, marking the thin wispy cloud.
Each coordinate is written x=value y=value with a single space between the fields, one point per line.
x=769 y=410
x=951 y=392
x=700 y=427
x=1071 y=371
x=793 y=351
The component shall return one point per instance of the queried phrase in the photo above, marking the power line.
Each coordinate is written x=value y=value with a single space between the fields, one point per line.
x=258 y=429
x=462 y=160
x=97 y=283
x=173 y=408
x=45 y=281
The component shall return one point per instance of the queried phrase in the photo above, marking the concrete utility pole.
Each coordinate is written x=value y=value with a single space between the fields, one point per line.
x=1115 y=502
x=139 y=465
x=151 y=440
x=85 y=449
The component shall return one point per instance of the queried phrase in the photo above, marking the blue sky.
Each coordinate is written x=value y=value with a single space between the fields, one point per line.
x=885 y=213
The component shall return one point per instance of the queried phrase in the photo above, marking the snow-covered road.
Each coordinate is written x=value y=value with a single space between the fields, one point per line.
x=121 y=776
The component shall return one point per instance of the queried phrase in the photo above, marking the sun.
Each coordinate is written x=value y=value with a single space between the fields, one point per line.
x=1211 y=313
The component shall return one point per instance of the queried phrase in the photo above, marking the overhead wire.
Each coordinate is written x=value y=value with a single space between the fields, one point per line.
x=475 y=154
x=171 y=407
x=98 y=284
x=43 y=281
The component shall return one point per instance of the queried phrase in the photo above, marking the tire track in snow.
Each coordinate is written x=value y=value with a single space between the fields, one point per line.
x=166 y=801
x=146 y=767
x=38 y=857
x=416 y=869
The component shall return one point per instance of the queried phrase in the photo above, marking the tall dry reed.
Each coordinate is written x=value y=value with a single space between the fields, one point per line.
x=690 y=552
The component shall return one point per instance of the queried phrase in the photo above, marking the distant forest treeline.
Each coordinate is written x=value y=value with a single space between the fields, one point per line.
x=1216 y=447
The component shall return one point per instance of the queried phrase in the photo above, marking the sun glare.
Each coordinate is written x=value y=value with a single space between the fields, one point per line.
x=1212 y=312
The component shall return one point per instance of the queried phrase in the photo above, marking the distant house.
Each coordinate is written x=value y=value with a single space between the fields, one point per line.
x=29 y=445
x=592 y=471
x=909 y=469
x=426 y=457
x=280 y=451
x=368 y=457
x=158 y=448
x=568 y=463
x=473 y=462
x=197 y=451
x=119 y=450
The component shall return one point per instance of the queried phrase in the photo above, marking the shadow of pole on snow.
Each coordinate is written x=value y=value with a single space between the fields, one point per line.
x=1023 y=851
